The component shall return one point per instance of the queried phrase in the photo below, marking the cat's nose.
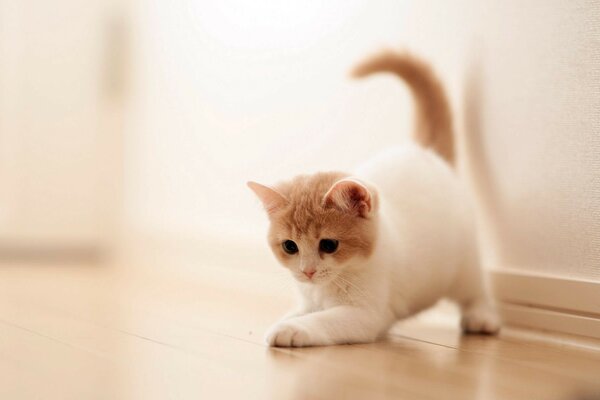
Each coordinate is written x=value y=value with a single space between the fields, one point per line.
x=309 y=273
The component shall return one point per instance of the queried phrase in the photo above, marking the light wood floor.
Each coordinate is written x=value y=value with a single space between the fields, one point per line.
x=72 y=331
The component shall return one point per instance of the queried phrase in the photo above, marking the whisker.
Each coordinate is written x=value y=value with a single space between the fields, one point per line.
x=362 y=295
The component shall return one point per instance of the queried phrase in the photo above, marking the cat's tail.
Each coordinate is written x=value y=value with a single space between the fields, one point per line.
x=433 y=120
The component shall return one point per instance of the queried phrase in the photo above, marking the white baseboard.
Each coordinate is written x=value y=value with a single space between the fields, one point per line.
x=549 y=303
x=531 y=317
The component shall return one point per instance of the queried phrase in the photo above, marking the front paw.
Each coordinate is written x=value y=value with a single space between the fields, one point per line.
x=286 y=334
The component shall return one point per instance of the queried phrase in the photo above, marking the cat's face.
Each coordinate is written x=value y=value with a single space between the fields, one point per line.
x=320 y=224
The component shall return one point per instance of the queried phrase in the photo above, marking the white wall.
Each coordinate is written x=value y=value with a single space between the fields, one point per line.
x=59 y=124
x=529 y=94
x=233 y=90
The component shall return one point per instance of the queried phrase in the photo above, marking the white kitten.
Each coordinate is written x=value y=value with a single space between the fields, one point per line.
x=381 y=244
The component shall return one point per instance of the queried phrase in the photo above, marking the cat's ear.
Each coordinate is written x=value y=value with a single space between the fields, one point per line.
x=351 y=196
x=272 y=200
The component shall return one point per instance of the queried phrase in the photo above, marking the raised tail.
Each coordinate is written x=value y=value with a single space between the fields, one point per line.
x=434 y=119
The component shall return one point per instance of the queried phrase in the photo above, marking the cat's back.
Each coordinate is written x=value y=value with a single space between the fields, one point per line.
x=414 y=183
x=400 y=168
x=426 y=223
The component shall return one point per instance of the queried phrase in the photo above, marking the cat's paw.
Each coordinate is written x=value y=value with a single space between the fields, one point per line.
x=481 y=318
x=286 y=334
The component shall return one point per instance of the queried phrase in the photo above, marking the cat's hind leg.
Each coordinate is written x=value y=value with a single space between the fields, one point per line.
x=479 y=316
x=478 y=313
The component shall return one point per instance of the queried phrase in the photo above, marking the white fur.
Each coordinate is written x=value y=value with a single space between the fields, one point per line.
x=426 y=249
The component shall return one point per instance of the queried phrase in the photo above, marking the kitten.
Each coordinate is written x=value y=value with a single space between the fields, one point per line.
x=384 y=242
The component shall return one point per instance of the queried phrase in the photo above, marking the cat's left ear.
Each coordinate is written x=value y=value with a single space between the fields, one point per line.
x=352 y=196
x=272 y=200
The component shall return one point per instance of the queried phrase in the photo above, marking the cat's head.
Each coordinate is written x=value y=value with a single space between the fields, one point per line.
x=321 y=224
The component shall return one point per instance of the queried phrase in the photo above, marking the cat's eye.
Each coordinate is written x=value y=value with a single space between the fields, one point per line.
x=290 y=247
x=328 y=245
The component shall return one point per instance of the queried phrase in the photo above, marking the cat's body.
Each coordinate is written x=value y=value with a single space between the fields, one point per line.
x=400 y=227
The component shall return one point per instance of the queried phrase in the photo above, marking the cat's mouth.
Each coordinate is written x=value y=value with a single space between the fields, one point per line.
x=304 y=279
x=316 y=279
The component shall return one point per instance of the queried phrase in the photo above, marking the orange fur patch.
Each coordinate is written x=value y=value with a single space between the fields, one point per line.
x=307 y=217
x=434 y=126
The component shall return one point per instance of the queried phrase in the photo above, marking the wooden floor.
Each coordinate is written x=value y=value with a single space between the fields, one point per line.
x=76 y=331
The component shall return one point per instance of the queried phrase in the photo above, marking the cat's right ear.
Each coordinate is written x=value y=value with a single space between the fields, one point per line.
x=350 y=195
x=272 y=200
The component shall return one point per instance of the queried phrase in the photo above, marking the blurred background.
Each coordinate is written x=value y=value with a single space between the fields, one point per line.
x=131 y=127
x=133 y=260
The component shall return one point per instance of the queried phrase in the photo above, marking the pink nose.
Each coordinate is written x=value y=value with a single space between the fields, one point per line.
x=309 y=273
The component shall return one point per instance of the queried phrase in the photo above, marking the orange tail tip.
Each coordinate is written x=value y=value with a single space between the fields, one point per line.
x=434 y=127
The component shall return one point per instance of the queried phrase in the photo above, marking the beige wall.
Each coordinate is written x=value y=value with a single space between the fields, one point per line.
x=229 y=91
x=539 y=150
x=59 y=124
x=526 y=77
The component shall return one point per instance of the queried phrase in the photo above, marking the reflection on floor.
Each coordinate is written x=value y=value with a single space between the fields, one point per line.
x=142 y=332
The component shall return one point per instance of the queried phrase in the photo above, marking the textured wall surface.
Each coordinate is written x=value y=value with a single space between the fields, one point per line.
x=525 y=78
x=540 y=135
